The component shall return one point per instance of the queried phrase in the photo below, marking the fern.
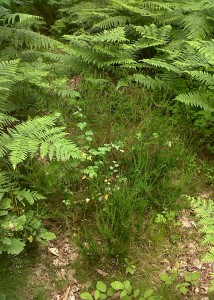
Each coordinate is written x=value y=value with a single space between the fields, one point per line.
x=153 y=32
x=18 y=17
x=162 y=64
x=111 y=22
x=197 y=99
x=33 y=40
x=159 y=5
x=206 y=48
x=39 y=135
x=203 y=77
x=204 y=210
x=146 y=81
x=8 y=71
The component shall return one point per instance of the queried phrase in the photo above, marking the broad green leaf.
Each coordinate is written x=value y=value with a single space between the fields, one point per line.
x=5 y=203
x=127 y=297
x=20 y=221
x=123 y=294
x=188 y=276
x=3 y=213
x=89 y=132
x=16 y=246
x=101 y=286
x=195 y=275
x=130 y=270
x=6 y=240
x=110 y=292
x=103 y=296
x=82 y=125
x=129 y=290
x=136 y=293
x=164 y=277
x=96 y=294
x=126 y=284
x=148 y=293
x=183 y=290
x=86 y=296
x=117 y=285
x=47 y=236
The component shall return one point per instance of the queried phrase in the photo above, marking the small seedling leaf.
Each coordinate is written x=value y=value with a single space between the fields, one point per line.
x=126 y=297
x=110 y=292
x=164 y=277
x=103 y=296
x=16 y=246
x=96 y=295
x=183 y=290
x=101 y=286
x=86 y=296
x=6 y=241
x=148 y=293
x=195 y=275
x=188 y=276
x=123 y=294
x=117 y=285
x=126 y=284
x=136 y=293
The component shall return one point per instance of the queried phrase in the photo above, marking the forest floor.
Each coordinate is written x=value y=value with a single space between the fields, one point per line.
x=60 y=273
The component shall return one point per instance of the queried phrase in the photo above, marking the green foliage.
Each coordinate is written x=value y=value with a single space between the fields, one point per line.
x=204 y=211
x=182 y=284
x=167 y=217
x=23 y=137
x=124 y=290
x=152 y=42
x=99 y=176
x=130 y=267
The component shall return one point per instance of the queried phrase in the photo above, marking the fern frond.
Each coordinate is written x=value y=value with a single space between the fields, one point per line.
x=206 y=48
x=8 y=71
x=204 y=77
x=162 y=64
x=209 y=257
x=131 y=9
x=146 y=81
x=6 y=120
x=111 y=22
x=39 y=135
x=33 y=40
x=153 y=32
x=115 y=35
x=160 y=5
x=196 y=99
x=197 y=26
x=28 y=195
x=20 y=17
x=5 y=184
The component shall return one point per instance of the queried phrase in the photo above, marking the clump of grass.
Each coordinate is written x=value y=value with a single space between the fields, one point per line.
x=157 y=164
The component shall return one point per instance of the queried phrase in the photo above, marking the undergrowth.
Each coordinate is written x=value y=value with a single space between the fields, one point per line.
x=105 y=111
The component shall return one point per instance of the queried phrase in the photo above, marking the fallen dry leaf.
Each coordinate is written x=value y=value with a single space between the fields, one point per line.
x=54 y=251
x=102 y=273
x=186 y=223
x=206 y=195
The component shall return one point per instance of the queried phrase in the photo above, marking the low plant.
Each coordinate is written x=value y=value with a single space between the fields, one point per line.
x=118 y=289
x=130 y=267
x=204 y=210
x=167 y=217
x=182 y=283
